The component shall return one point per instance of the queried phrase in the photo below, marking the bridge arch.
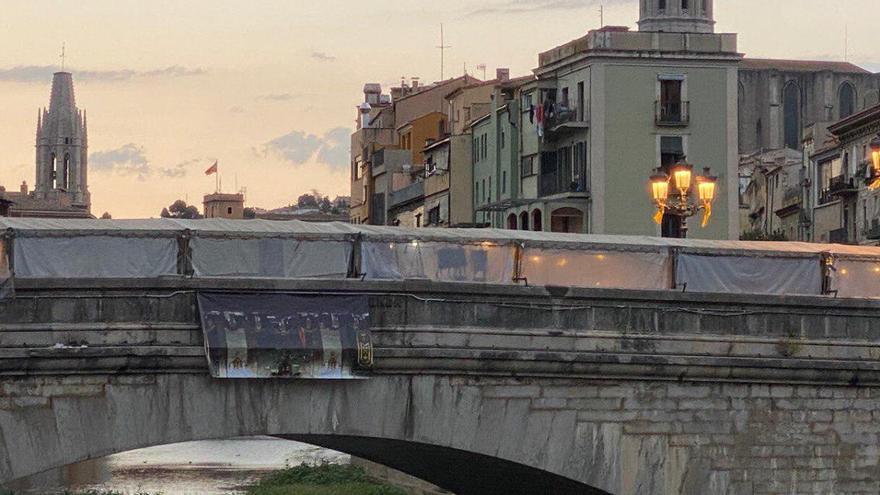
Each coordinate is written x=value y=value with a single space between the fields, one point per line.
x=425 y=435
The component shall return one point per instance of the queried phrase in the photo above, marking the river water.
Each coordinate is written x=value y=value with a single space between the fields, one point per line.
x=194 y=468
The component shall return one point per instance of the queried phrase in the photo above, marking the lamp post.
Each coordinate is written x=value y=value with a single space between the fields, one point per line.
x=672 y=194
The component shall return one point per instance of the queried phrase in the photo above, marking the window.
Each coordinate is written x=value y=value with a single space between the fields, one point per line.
x=526 y=102
x=503 y=139
x=476 y=191
x=847 y=100
x=528 y=166
x=580 y=102
x=483 y=197
x=229 y=210
x=490 y=189
x=705 y=8
x=685 y=6
x=434 y=215
x=579 y=181
x=565 y=97
x=791 y=98
x=524 y=220
x=661 y=6
x=671 y=107
x=671 y=151
x=504 y=182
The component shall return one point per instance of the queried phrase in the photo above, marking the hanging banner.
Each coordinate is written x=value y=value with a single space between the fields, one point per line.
x=286 y=336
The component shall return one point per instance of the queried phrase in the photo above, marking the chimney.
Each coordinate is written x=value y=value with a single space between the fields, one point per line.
x=24 y=187
x=415 y=83
x=502 y=74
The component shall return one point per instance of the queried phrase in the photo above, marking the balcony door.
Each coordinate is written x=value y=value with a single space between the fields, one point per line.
x=670 y=100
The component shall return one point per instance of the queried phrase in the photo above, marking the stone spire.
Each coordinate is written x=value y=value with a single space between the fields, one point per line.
x=62 y=147
x=677 y=16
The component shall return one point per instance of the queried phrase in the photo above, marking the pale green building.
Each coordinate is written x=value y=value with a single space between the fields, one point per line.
x=609 y=108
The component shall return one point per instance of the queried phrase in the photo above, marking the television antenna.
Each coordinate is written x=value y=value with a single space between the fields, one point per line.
x=62 y=56
x=482 y=67
x=443 y=47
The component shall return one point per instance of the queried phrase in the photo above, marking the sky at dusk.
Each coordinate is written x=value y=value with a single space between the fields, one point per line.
x=269 y=87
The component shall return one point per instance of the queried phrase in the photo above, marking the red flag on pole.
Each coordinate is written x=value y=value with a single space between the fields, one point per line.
x=212 y=170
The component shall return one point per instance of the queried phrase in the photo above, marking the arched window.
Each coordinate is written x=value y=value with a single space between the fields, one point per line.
x=847 y=100
x=511 y=221
x=53 y=175
x=791 y=102
x=524 y=220
x=65 y=172
x=537 y=225
x=568 y=220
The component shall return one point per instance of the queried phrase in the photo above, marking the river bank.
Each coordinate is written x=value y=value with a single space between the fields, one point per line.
x=221 y=467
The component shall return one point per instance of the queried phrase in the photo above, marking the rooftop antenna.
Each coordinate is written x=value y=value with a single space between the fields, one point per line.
x=62 y=56
x=482 y=67
x=443 y=47
x=846 y=42
x=601 y=15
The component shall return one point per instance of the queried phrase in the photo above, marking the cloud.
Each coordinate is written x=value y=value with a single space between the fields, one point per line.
x=181 y=169
x=236 y=109
x=527 y=6
x=131 y=160
x=298 y=147
x=278 y=97
x=43 y=73
x=126 y=160
x=323 y=57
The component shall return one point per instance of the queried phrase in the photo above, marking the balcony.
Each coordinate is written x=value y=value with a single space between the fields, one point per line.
x=566 y=120
x=791 y=202
x=842 y=186
x=553 y=183
x=839 y=236
x=409 y=194
x=672 y=113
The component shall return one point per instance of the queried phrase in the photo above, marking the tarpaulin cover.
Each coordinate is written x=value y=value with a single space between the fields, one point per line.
x=750 y=275
x=856 y=278
x=270 y=257
x=440 y=261
x=95 y=257
x=606 y=269
x=286 y=336
x=5 y=275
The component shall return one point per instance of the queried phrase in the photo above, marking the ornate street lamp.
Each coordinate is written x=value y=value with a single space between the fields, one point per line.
x=672 y=193
x=873 y=178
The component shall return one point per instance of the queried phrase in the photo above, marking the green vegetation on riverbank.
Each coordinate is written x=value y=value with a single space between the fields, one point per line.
x=327 y=479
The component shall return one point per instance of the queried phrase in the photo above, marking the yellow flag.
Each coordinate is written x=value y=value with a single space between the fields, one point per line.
x=658 y=217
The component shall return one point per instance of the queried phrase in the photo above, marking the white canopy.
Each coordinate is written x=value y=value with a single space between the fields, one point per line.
x=296 y=249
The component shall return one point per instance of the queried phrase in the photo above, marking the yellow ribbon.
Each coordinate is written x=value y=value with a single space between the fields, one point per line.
x=658 y=217
x=707 y=214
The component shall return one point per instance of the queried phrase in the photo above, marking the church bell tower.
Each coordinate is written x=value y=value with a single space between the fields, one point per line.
x=62 y=147
x=677 y=16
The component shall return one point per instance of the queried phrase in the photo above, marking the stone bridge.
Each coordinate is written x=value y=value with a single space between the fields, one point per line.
x=480 y=390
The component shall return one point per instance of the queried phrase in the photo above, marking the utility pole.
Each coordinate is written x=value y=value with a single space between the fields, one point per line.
x=601 y=16
x=443 y=47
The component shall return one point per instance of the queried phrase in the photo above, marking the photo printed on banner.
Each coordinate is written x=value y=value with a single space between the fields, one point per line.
x=286 y=336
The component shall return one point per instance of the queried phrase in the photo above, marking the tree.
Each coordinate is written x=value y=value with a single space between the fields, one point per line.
x=179 y=209
x=250 y=213
x=326 y=205
x=106 y=216
x=307 y=200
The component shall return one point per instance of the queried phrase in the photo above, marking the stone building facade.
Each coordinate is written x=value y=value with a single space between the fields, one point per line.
x=61 y=189
x=778 y=99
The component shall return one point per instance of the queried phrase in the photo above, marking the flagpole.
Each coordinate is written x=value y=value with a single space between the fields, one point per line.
x=217 y=179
